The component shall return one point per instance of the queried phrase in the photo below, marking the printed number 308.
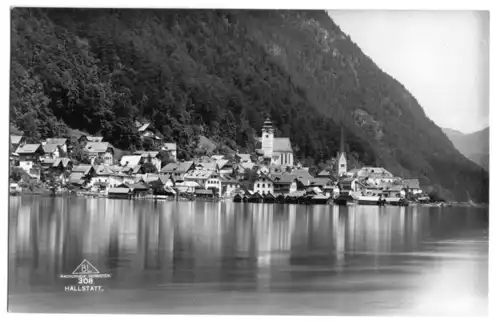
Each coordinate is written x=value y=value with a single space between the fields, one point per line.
x=85 y=280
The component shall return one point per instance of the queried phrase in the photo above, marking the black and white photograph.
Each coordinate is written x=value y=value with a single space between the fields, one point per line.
x=248 y=161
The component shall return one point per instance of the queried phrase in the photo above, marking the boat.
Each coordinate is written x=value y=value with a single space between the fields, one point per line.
x=370 y=200
x=320 y=200
x=396 y=201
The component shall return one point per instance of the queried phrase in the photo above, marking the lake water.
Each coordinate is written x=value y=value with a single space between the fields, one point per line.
x=230 y=258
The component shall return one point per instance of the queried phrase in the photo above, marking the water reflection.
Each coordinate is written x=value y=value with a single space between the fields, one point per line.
x=260 y=250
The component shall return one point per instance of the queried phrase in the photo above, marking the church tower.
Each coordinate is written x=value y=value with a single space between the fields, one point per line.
x=342 y=158
x=268 y=138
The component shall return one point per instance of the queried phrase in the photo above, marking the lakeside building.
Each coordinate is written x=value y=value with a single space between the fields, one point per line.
x=102 y=150
x=263 y=185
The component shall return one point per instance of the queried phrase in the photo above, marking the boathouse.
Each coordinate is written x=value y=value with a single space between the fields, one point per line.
x=119 y=193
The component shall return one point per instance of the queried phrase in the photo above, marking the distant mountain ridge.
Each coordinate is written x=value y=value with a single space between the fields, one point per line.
x=475 y=146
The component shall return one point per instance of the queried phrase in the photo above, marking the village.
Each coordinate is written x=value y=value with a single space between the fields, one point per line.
x=269 y=175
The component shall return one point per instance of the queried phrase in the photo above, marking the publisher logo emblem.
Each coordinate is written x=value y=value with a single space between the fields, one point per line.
x=86 y=275
x=85 y=268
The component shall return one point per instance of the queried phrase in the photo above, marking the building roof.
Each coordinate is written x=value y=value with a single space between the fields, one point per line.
x=302 y=173
x=119 y=190
x=228 y=180
x=282 y=145
x=82 y=168
x=212 y=166
x=264 y=177
x=170 y=146
x=153 y=154
x=204 y=192
x=411 y=183
x=222 y=163
x=94 y=138
x=137 y=186
x=63 y=161
x=97 y=147
x=56 y=141
x=285 y=178
x=374 y=171
x=320 y=182
x=248 y=165
x=324 y=173
x=143 y=127
x=104 y=170
x=217 y=157
x=244 y=157
x=171 y=167
x=177 y=167
x=27 y=149
x=394 y=188
x=16 y=139
x=164 y=178
x=76 y=178
x=49 y=147
x=47 y=161
x=198 y=174
x=130 y=160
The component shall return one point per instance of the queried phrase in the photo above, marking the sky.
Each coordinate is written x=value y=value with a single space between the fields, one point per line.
x=441 y=57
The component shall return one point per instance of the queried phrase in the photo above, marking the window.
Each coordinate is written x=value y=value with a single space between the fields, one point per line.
x=258 y=185
x=266 y=136
x=269 y=185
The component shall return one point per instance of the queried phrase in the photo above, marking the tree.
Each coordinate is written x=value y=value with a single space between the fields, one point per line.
x=165 y=157
x=16 y=174
x=157 y=187
x=148 y=166
x=251 y=175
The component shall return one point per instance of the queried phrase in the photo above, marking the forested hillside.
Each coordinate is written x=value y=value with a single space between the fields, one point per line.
x=218 y=74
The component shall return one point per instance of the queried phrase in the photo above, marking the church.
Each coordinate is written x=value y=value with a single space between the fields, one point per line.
x=277 y=150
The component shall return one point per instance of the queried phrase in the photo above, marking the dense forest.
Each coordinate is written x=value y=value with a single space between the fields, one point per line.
x=218 y=74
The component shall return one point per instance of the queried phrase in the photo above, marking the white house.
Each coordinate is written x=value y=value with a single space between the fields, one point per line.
x=104 y=150
x=51 y=151
x=29 y=154
x=263 y=185
x=214 y=181
x=60 y=142
x=105 y=176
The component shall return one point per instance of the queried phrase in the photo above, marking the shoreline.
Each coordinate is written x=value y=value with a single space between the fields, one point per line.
x=173 y=198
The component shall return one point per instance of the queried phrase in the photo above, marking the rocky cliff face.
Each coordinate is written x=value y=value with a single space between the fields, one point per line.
x=218 y=74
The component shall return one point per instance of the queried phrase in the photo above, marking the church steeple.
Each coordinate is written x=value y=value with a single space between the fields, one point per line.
x=342 y=159
x=268 y=138
x=342 y=140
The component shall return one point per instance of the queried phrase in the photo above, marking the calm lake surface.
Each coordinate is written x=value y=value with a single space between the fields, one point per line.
x=230 y=258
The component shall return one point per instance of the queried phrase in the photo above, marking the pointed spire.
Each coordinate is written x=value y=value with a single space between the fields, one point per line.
x=342 y=140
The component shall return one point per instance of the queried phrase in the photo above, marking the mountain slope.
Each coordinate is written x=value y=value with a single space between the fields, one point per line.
x=474 y=146
x=452 y=134
x=218 y=74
